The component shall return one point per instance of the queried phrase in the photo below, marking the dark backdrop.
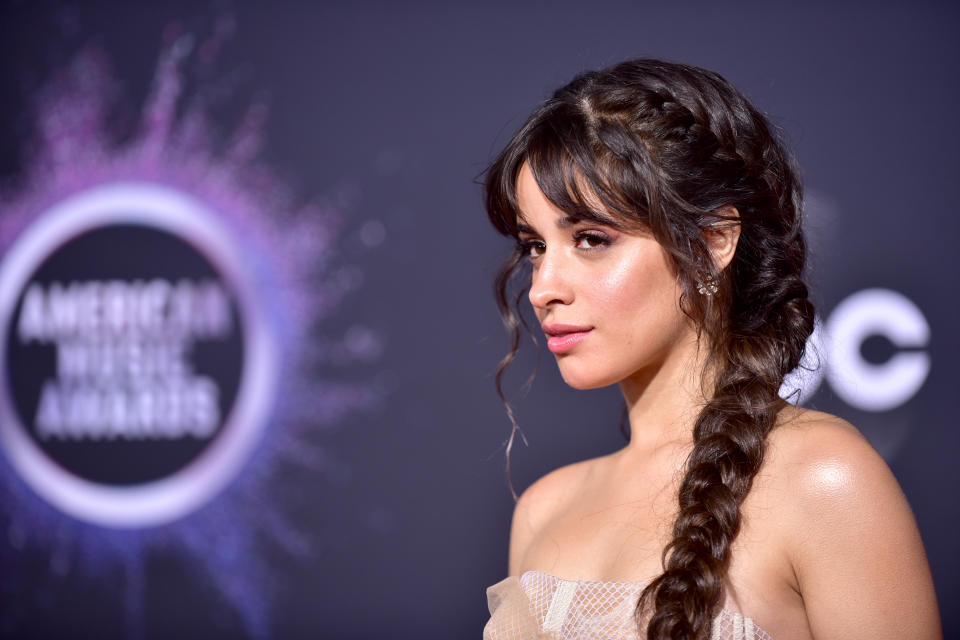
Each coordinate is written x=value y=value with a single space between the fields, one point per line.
x=393 y=111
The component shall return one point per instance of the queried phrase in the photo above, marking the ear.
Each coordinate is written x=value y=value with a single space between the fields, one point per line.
x=722 y=237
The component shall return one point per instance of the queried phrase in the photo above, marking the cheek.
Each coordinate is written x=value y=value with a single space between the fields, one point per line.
x=637 y=292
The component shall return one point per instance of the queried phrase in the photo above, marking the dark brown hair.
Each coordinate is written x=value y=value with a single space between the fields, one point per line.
x=668 y=146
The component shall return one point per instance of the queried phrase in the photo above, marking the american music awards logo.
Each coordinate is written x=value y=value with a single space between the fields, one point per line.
x=154 y=296
x=138 y=368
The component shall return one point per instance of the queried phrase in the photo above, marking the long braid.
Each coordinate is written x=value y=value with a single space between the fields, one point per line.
x=729 y=445
x=760 y=340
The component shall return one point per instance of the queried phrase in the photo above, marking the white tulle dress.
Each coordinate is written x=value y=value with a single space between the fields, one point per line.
x=540 y=606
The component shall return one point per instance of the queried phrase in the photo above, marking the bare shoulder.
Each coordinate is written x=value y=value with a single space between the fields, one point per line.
x=848 y=531
x=539 y=502
x=802 y=430
x=808 y=445
x=826 y=472
x=825 y=462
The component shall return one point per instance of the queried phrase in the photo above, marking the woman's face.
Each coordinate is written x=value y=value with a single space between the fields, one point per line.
x=607 y=298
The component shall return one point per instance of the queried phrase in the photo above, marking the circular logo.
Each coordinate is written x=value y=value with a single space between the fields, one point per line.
x=137 y=370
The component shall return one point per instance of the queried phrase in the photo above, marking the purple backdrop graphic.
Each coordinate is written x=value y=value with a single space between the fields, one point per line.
x=104 y=418
x=336 y=468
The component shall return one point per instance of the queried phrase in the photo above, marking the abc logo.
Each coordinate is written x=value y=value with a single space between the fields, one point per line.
x=835 y=351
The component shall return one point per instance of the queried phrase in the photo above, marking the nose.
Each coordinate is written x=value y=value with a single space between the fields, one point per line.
x=549 y=286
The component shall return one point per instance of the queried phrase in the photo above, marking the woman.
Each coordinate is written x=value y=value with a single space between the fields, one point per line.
x=660 y=218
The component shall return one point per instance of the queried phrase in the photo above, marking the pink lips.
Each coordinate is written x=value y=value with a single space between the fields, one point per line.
x=562 y=338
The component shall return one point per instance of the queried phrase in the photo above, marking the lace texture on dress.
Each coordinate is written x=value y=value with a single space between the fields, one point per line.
x=540 y=606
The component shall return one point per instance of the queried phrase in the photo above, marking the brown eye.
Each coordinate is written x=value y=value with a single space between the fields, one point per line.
x=532 y=248
x=591 y=241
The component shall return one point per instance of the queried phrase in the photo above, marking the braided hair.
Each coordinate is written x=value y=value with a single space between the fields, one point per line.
x=671 y=147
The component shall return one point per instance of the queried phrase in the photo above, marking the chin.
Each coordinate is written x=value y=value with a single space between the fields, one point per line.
x=585 y=380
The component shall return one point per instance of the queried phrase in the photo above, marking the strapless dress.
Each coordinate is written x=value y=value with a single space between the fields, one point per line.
x=541 y=606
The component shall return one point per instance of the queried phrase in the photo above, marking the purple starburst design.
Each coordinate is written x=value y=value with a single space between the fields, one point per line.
x=287 y=246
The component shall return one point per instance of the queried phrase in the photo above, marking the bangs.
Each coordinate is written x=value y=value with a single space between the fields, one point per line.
x=587 y=170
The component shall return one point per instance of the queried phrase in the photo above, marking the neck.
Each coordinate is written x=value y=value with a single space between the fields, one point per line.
x=663 y=401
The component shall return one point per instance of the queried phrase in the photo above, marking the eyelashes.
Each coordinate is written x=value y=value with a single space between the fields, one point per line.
x=584 y=241
x=591 y=240
x=527 y=248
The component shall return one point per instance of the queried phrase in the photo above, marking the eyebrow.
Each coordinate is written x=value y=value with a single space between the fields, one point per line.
x=571 y=220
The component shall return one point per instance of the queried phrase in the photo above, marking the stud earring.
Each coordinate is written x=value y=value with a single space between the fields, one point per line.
x=707 y=286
